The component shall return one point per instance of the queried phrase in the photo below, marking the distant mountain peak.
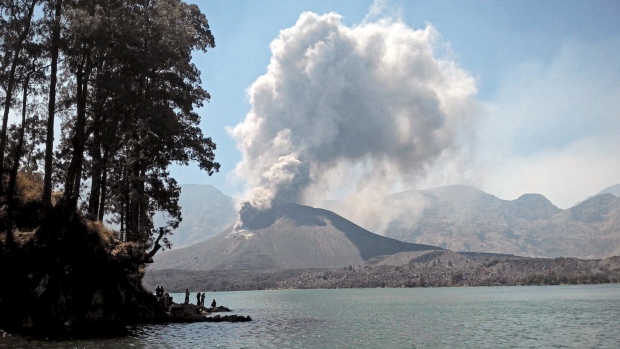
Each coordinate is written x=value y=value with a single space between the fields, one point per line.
x=537 y=200
x=614 y=189
x=460 y=193
x=460 y=189
x=532 y=197
x=595 y=209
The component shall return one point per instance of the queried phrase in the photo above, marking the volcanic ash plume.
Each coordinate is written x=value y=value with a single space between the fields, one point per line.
x=362 y=108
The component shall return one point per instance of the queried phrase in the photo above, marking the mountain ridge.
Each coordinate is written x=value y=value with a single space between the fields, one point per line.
x=470 y=220
x=614 y=189
x=235 y=263
x=459 y=218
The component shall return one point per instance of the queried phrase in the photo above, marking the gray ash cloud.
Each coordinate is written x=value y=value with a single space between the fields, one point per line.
x=367 y=107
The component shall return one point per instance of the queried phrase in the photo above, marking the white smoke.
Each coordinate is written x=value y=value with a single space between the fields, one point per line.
x=355 y=111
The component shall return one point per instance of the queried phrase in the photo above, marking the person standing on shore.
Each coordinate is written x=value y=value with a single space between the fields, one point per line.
x=186 y=296
x=198 y=298
x=202 y=299
x=213 y=304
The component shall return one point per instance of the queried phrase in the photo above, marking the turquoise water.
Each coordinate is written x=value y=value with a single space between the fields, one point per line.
x=585 y=316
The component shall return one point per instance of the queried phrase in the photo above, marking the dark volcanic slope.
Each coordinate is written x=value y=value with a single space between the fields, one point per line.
x=294 y=237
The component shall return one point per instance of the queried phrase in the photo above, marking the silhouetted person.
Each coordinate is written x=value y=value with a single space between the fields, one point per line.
x=198 y=298
x=213 y=304
x=167 y=300
x=186 y=296
x=202 y=299
x=157 y=293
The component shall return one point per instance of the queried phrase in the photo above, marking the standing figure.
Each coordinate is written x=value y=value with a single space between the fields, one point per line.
x=213 y=304
x=202 y=299
x=167 y=300
x=186 y=296
x=198 y=298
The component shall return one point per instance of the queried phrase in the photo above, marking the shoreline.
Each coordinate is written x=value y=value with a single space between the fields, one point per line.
x=434 y=269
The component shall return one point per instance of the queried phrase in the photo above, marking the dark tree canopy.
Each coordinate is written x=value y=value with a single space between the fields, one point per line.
x=119 y=76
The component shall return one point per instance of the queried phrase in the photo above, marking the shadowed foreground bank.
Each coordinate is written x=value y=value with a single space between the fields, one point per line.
x=71 y=277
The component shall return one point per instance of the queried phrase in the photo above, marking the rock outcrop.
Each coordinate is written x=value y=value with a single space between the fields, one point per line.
x=197 y=313
x=186 y=313
x=228 y=318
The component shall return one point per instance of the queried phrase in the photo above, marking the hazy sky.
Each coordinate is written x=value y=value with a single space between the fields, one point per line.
x=527 y=94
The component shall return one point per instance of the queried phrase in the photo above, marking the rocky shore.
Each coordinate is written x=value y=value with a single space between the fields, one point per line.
x=73 y=278
x=228 y=318
x=197 y=313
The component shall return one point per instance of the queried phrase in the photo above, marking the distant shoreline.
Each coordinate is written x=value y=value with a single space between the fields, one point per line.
x=433 y=269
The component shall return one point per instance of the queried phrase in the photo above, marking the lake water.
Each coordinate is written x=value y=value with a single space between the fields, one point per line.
x=584 y=316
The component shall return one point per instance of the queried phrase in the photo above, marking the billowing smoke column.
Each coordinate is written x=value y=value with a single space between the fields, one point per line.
x=367 y=107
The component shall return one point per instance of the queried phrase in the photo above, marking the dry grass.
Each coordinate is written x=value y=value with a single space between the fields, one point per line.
x=107 y=236
x=28 y=191
x=21 y=238
x=29 y=187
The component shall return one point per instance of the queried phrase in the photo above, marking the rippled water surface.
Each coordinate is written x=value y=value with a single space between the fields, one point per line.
x=495 y=317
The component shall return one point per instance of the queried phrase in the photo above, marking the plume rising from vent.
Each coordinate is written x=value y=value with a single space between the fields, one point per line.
x=355 y=110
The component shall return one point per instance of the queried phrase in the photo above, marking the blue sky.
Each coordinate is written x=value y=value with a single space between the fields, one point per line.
x=546 y=73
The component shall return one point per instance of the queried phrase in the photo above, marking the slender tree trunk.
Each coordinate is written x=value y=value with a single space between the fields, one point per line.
x=104 y=185
x=49 y=144
x=96 y=203
x=142 y=214
x=95 y=182
x=74 y=174
x=133 y=223
x=125 y=205
x=10 y=85
x=16 y=157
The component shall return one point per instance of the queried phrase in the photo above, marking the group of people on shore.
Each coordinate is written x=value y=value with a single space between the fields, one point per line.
x=165 y=298
x=200 y=299
x=162 y=297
